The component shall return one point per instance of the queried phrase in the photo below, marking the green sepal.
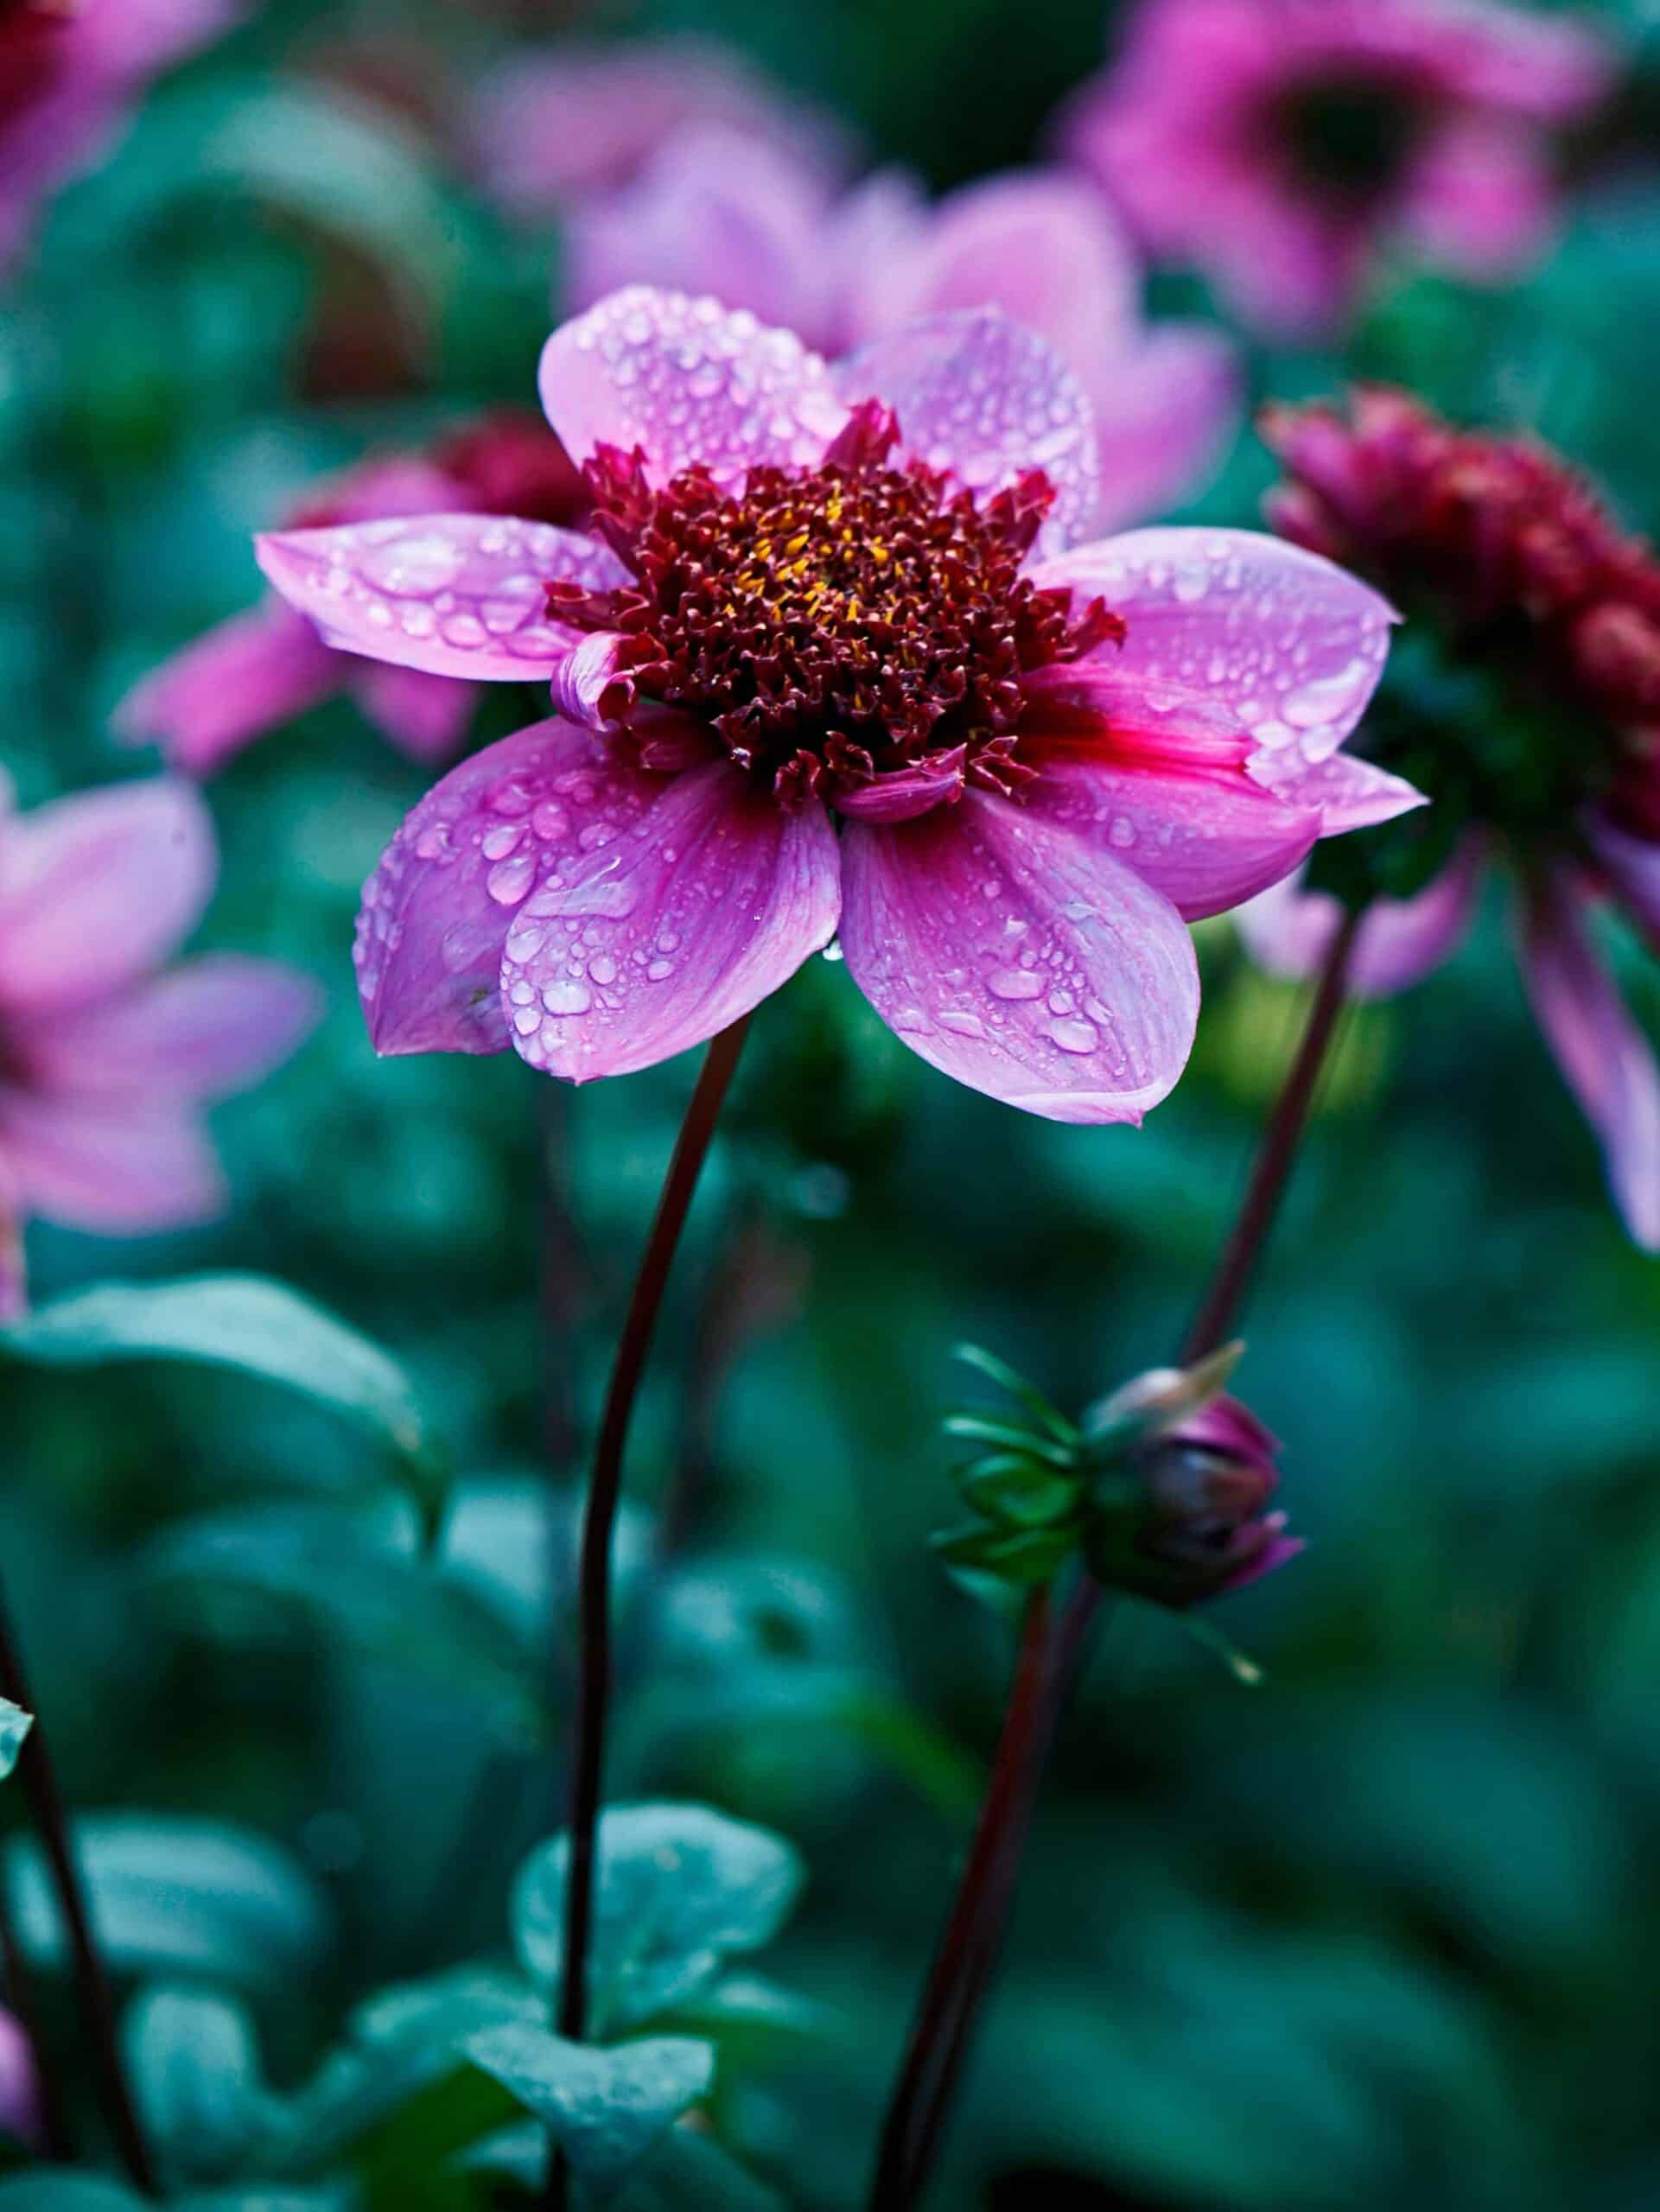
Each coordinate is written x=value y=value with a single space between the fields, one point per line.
x=1014 y=1488
x=1023 y=1556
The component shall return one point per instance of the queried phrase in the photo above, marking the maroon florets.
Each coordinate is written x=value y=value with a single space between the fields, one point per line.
x=514 y=465
x=29 y=34
x=853 y=620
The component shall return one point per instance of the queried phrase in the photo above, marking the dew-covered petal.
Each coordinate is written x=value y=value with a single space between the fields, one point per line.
x=1021 y=959
x=425 y=716
x=454 y=595
x=1350 y=793
x=669 y=926
x=215 y=1026
x=1165 y=407
x=686 y=381
x=1289 y=930
x=1608 y=1063
x=96 y=888
x=1292 y=643
x=109 y=1164
x=988 y=399
x=232 y=685
x=437 y=911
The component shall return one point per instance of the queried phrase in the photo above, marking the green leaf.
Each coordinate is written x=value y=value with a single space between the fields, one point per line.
x=686 y=2172
x=192 y=2059
x=606 y=2107
x=14 y=1725
x=1008 y=1436
x=1023 y=1556
x=176 y=1897
x=45 y=2190
x=679 y=1888
x=1013 y=1487
x=1008 y=1378
x=248 y=1324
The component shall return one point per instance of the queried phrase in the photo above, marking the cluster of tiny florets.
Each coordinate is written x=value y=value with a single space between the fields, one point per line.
x=29 y=32
x=1501 y=547
x=838 y=623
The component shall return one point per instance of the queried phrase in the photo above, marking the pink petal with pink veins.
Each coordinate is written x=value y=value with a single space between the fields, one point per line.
x=237 y=682
x=687 y=917
x=96 y=888
x=1608 y=1061
x=685 y=380
x=454 y=595
x=212 y=1026
x=425 y=716
x=1021 y=959
x=984 y=397
x=1289 y=930
x=108 y=1166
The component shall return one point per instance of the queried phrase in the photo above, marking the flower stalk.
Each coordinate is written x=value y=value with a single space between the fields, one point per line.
x=588 y=1759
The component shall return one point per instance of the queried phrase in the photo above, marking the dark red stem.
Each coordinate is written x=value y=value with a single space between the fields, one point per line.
x=594 y=1584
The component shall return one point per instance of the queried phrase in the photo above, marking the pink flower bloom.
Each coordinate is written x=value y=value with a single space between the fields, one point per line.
x=1513 y=564
x=758 y=226
x=839 y=652
x=70 y=70
x=1283 y=145
x=20 y=2086
x=106 y=1056
x=257 y=671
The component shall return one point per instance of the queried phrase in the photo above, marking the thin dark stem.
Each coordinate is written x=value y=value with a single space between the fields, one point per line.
x=38 y=1778
x=24 y=2000
x=931 y=2033
x=593 y=1580
x=964 y=1962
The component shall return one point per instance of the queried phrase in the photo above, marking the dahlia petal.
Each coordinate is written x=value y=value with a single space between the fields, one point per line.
x=988 y=399
x=694 y=911
x=1278 y=1551
x=1632 y=868
x=247 y=675
x=1350 y=794
x=1292 y=643
x=1481 y=197
x=905 y=793
x=1165 y=408
x=585 y=684
x=454 y=595
x=438 y=910
x=686 y=381
x=1551 y=70
x=425 y=716
x=1289 y=930
x=215 y=1026
x=1606 y=1060
x=109 y=1165
x=1021 y=960
x=96 y=888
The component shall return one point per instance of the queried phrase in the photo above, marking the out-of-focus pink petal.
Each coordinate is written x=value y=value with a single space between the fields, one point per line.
x=1289 y=930
x=454 y=595
x=1292 y=643
x=1527 y=64
x=1608 y=1061
x=21 y=2115
x=246 y=677
x=1278 y=1551
x=691 y=914
x=13 y=1269
x=981 y=396
x=437 y=911
x=211 y=1027
x=109 y=1164
x=96 y=888
x=425 y=716
x=1481 y=197
x=1631 y=866
x=1165 y=408
x=1350 y=794
x=1021 y=959
x=139 y=37
x=1042 y=247
x=686 y=380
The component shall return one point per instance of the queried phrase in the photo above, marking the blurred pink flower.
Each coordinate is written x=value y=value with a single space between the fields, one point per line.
x=758 y=226
x=552 y=125
x=106 y=1056
x=1509 y=558
x=256 y=671
x=20 y=2086
x=70 y=72
x=808 y=598
x=1283 y=145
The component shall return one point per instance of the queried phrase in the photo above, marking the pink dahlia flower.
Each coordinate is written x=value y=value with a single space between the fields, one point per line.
x=1553 y=612
x=106 y=1056
x=756 y=225
x=21 y=2116
x=70 y=70
x=1282 y=145
x=251 y=674
x=840 y=653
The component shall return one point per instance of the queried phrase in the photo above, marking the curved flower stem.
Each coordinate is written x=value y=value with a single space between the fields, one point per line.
x=967 y=1954
x=588 y=1760
x=38 y=1774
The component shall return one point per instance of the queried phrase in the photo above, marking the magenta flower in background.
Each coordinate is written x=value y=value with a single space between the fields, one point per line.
x=257 y=671
x=839 y=652
x=1283 y=146
x=757 y=226
x=20 y=2086
x=1512 y=563
x=107 y=1056
x=70 y=72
